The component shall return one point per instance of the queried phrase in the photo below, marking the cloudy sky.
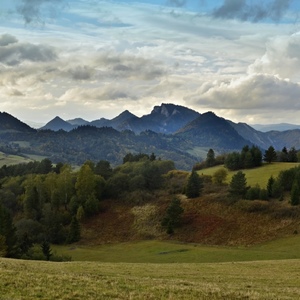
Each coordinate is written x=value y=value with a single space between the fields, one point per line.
x=93 y=59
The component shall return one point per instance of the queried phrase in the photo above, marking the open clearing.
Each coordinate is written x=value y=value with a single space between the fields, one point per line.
x=93 y=280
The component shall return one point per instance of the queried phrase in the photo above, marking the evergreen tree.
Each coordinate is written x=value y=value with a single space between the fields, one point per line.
x=46 y=249
x=194 y=185
x=238 y=184
x=210 y=158
x=295 y=194
x=270 y=155
x=173 y=216
x=74 y=234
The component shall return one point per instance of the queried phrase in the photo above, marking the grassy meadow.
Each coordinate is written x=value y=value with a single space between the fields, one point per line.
x=255 y=176
x=95 y=280
x=175 y=252
x=8 y=159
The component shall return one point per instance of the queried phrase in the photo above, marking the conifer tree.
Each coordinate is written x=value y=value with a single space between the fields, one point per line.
x=194 y=185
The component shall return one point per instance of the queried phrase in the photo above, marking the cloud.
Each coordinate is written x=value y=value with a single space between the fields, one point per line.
x=177 y=3
x=253 y=11
x=81 y=72
x=94 y=95
x=253 y=92
x=7 y=39
x=34 y=11
x=282 y=57
x=13 y=53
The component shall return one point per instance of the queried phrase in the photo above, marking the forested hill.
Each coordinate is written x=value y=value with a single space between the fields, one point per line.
x=8 y=123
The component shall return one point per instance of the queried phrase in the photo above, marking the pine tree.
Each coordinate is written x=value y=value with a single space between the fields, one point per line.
x=194 y=185
x=270 y=155
x=238 y=184
x=45 y=246
x=173 y=216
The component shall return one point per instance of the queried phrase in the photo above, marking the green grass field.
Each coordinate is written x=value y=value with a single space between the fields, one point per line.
x=171 y=252
x=255 y=176
x=93 y=280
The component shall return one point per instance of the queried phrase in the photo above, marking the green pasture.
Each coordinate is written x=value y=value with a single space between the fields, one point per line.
x=255 y=176
x=94 y=280
x=7 y=159
x=172 y=252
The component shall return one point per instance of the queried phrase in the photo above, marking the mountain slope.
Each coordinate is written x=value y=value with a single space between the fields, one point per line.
x=209 y=130
x=57 y=124
x=10 y=123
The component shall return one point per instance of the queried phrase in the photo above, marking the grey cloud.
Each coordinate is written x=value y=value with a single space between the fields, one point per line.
x=13 y=53
x=81 y=73
x=246 y=10
x=7 y=39
x=127 y=66
x=34 y=11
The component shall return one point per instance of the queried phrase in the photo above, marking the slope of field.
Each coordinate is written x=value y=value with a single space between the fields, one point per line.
x=255 y=176
x=84 y=280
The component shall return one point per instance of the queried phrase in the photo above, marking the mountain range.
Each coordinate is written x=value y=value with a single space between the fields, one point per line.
x=170 y=131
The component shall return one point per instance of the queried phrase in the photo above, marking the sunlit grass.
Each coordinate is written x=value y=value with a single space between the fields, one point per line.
x=255 y=176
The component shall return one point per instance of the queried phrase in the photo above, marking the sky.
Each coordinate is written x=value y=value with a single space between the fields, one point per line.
x=93 y=59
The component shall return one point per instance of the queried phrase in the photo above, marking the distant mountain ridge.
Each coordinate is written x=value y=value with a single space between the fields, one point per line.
x=166 y=118
x=170 y=131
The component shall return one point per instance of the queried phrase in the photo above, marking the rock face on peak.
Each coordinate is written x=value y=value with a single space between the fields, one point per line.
x=166 y=118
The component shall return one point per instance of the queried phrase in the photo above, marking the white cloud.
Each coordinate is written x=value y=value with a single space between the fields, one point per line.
x=133 y=56
x=282 y=57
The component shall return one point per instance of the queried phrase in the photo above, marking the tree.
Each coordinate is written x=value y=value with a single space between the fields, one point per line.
x=74 y=234
x=292 y=155
x=46 y=249
x=85 y=184
x=210 y=158
x=194 y=185
x=173 y=216
x=233 y=161
x=104 y=169
x=238 y=184
x=270 y=155
x=295 y=194
x=219 y=176
x=270 y=186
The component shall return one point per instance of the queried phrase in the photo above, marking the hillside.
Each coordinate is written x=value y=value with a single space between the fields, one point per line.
x=9 y=123
x=206 y=220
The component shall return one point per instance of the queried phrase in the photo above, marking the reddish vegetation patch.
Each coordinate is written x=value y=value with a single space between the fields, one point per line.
x=112 y=225
x=210 y=219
